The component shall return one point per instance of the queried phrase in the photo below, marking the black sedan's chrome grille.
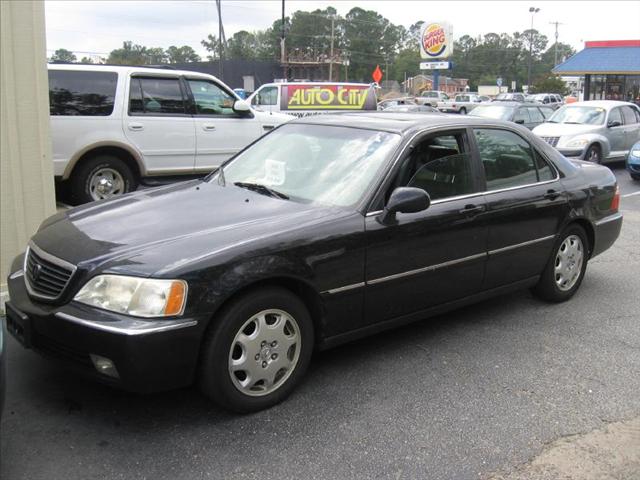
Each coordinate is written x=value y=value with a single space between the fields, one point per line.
x=553 y=141
x=46 y=276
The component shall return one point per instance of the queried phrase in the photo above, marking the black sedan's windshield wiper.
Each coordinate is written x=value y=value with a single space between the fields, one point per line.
x=258 y=187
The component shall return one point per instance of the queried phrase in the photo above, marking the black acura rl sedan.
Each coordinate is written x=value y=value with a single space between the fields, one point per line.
x=327 y=229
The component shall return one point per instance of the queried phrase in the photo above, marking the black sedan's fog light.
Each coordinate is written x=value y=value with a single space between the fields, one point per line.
x=104 y=366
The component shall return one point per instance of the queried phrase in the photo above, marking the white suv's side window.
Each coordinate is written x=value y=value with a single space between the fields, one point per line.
x=156 y=96
x=210 y=99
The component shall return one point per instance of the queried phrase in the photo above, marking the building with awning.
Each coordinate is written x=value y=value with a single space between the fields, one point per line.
x=611 y=70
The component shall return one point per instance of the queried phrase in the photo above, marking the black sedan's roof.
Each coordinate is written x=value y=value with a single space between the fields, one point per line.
x=401 y=123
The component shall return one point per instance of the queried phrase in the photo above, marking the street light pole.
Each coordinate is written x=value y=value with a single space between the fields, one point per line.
x=533 y=11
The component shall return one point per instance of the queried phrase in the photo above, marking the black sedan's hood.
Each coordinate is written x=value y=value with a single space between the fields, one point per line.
x=156 y=230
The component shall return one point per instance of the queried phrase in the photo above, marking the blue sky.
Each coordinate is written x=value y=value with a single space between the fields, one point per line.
x=100 y=26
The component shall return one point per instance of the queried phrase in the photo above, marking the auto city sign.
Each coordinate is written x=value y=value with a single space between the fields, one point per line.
x=436 y=40
x=328 y=97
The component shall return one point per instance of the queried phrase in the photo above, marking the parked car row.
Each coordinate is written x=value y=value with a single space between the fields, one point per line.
x=529 y=115
x=462 y=103
x=552 y=100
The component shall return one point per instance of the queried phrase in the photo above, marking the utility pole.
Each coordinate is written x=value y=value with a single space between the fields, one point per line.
x=386 y=68
x=555 y=53
x=283 y=54
x=331 y=53
x=220 y=67
x=533 y=11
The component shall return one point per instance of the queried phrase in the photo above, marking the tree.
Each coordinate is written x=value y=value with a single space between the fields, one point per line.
x=211 y=45
x=242 y=45
x=86 y=60
x=155 y=56
x=361 y=27
x=132 y=54
x=564 y=51
x=407 y=62
x=550 y=85
x=63 y=55
x=184 y=54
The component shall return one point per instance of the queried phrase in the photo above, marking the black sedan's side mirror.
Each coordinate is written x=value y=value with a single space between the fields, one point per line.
x=405 y=200
x=613 y=123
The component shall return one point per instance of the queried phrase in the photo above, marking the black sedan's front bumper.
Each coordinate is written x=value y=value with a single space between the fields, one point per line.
x=148 y=355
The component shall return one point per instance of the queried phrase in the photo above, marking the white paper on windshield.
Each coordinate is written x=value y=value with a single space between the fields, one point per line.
x=274 y=172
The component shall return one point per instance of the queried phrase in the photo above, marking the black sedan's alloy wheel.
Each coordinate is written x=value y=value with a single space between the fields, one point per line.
x=256 y=350
x=565 y=270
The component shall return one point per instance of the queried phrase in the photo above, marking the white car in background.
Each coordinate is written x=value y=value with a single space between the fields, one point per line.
x=114 y=127
x=597 y=130
x=462 y=103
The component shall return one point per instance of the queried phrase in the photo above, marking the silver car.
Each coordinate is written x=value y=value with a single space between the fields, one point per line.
x=597 y=131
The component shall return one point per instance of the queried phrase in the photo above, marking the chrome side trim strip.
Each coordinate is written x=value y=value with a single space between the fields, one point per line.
x=345 y=288
x=523 y=244
x=136 y=327
x=426 y=269
x=610 y=218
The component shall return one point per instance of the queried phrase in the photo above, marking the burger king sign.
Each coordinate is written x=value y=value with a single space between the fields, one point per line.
x=436 y=40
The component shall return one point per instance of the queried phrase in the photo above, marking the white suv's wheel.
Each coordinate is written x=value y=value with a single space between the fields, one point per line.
x=101 y=177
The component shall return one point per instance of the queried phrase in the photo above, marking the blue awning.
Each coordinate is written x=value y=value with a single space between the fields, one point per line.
x=606 y=60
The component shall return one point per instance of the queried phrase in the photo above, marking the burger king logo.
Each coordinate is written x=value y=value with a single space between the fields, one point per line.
x=434 y=40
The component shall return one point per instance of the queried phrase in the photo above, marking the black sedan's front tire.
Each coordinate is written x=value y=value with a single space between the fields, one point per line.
x=565 y=269
x=257 y=350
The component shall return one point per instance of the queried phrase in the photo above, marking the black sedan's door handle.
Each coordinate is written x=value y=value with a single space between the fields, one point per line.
x=472 y=209
x=551 y=194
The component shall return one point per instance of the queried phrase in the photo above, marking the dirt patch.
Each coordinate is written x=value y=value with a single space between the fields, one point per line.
x=612 y=453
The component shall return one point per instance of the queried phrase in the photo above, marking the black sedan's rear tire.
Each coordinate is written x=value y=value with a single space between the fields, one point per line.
x=566 y=267
x=635 y=177
x=256 y=350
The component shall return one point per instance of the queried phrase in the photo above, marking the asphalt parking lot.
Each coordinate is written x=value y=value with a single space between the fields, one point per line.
x=464 y=395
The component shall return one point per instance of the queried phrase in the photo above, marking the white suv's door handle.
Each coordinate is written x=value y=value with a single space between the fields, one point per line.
x=207 y=127
x=136 y=126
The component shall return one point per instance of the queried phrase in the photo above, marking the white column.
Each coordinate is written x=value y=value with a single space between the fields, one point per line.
x=26 y=171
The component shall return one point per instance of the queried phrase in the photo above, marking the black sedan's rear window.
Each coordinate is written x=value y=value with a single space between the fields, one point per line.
x=81 y=92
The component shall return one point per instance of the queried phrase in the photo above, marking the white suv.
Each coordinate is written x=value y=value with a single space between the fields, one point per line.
x=115 y=126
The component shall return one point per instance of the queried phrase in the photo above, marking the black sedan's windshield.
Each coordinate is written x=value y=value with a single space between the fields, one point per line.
x=312 y=163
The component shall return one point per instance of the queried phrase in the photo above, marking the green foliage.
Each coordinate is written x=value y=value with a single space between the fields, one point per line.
x=550 y=84
x=407 y=62
x=482 y=60
x=86 y=60
x=63 y=55
x=132 y=54
x=211 y=45
x=182 y=54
